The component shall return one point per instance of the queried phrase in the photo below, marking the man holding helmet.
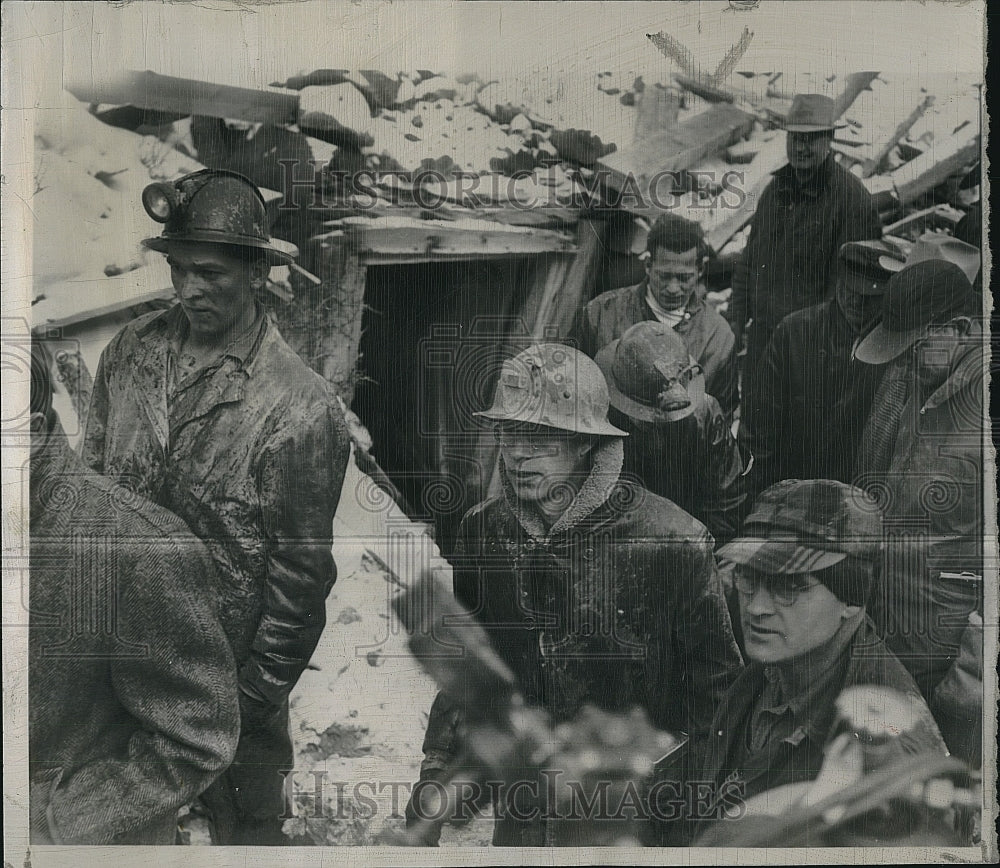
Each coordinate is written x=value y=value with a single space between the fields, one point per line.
x=205 y=410
x=592 y=589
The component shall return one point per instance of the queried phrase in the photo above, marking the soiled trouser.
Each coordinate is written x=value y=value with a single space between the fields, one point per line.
x=248 y=802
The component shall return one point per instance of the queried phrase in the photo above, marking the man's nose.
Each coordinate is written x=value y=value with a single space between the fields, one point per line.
x=761 y=603
x=188 y=286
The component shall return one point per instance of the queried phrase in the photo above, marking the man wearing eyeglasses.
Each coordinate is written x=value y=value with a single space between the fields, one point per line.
x=592 y=589
x=673 y=294
x=803 y=570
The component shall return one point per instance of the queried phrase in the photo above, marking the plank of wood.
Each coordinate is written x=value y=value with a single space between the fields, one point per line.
x=79 y=300
x=150 y=90
x=572 y=286
x=944 y=158
x=711 y=93
x=676 y=149
x=438 y=238
x=875 y=164
x=656 y=111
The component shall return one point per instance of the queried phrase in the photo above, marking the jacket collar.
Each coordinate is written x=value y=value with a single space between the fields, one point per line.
x=226 y=385
x=604 y=474
x=694 y=305
x=967 y=369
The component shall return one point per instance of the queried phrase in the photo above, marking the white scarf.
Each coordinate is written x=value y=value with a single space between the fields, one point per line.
x=667 y=317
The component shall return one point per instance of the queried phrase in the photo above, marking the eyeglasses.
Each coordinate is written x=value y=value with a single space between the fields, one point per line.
x=784 y=590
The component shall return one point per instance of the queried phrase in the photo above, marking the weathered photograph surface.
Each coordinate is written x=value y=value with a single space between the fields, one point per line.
x=499 y=426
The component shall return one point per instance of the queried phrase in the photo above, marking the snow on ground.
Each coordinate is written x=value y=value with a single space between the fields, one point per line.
x=358 y=713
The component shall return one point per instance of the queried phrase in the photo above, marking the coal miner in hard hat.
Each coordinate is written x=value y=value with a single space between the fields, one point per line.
x=680 y=445
x=592 y=589
x=804 y=567
x=205 y=410
x=672 y=293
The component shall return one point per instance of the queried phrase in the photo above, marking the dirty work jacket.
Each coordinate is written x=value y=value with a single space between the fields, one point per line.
x=618 y=605
x=932 y=499
x=806 y=417
x=799 y=757
x=254 y=467
x=791 y=257
x=706 y=334
x=132 y=685
x=694 y=462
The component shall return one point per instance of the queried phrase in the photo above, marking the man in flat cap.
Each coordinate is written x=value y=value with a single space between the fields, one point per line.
x=205 y=410
x=806 y=214
x=804 y=567
x=922 y=455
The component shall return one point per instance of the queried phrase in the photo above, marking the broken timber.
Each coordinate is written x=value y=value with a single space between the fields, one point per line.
x=875 y=164
x=952 y=156
x=402 y=240
x=672 y=151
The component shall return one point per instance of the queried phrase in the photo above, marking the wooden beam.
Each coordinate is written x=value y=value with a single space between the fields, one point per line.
x=676 y=149
x=656 y=111
x=571 y=286
x=874 y=165
x=944 y=158
x=435 y=238
x=149 y=90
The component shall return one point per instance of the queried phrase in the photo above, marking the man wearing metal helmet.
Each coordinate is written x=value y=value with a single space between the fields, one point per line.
x=803 y=568
x=680 y=445
x=673 y=293
x=205 y=410
x=592 y=589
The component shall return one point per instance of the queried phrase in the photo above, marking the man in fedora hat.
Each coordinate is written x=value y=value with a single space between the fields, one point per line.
x=205 y=410
x=672 y=293
x=592 y=589
x=811 y=208
x=804 y=420
x=804 y=568
x=921 y=453
x=680 y=445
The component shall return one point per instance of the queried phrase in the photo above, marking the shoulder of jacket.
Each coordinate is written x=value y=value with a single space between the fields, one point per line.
x=655 y=517
x=610 y=298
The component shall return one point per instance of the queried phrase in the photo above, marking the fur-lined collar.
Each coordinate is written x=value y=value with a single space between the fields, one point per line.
x=604 y=473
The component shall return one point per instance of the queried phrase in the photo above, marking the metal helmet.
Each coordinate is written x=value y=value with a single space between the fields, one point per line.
x=650 y=374
x=556 y=386
x=213 y=206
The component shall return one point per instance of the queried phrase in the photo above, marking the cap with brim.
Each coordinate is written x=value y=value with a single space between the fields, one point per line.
x=638 y=410
x=277 y=252
x=881 y=345
x=777 y=555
